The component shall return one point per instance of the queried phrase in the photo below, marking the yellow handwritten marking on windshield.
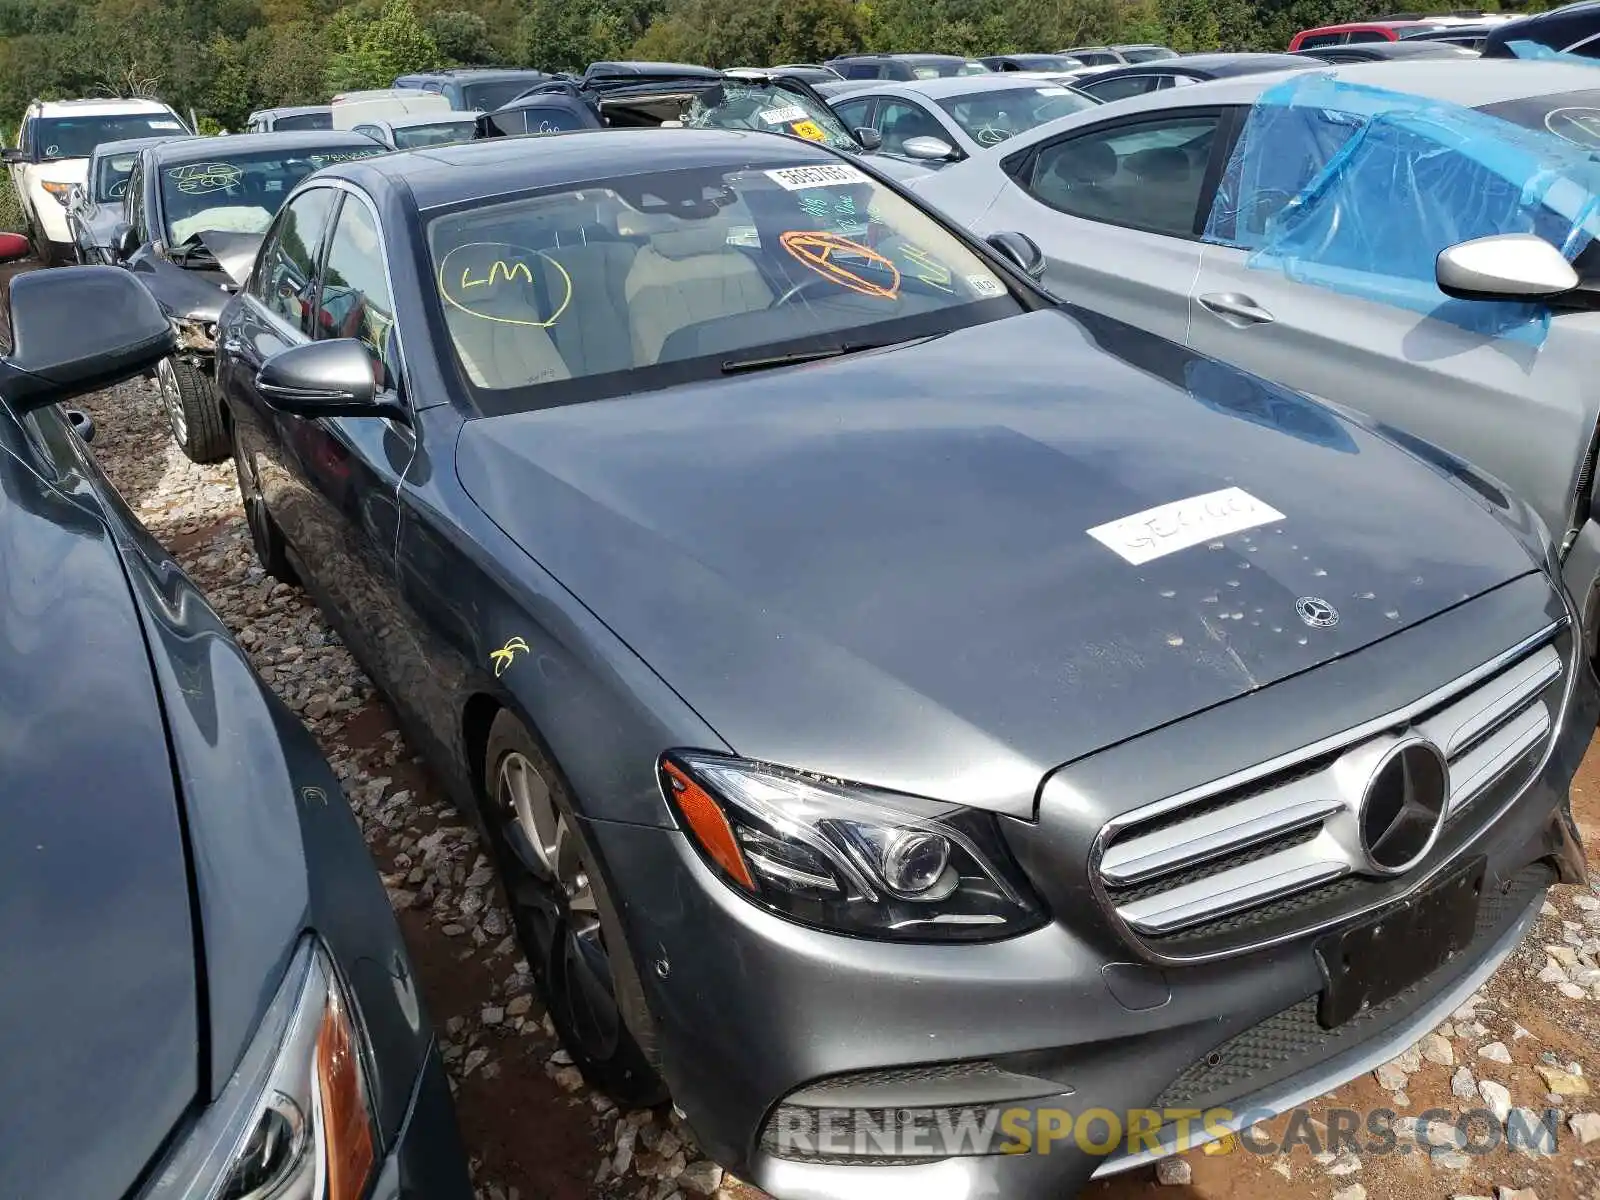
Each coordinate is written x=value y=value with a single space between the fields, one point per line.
x=497 y=270
x=928 y=269
x=809 y=130
x=816 y=248
x=507 y=265
x=507 y=654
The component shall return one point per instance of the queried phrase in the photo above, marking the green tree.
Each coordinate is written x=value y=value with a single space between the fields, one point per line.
x=460 y=36
x=373 y=50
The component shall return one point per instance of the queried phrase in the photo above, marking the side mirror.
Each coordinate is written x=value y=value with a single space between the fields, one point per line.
x=929 y=149
x=126 y=242
x=15 y=154
x=869 y=138
x=1022 y=250
x=14 y=247
x=335 y=378
x=79 y=331
x=1507 y=266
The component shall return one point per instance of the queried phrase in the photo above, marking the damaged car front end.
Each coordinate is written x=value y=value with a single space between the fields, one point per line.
x=195 y=220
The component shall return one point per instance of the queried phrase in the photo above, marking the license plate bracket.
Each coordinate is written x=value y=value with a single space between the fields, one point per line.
x=1367 y=964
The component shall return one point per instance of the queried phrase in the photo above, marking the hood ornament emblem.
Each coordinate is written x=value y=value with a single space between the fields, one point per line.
x=1317 y=612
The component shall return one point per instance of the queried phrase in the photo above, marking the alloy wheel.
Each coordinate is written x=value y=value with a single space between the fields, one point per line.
x=172 y=400
x=557 y=899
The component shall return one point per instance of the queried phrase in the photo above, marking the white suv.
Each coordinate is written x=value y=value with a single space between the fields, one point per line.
x=52 y=154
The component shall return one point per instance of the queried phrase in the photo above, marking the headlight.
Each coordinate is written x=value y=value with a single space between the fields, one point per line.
x=295 y=1121
x=848 y=858
x=61 y=191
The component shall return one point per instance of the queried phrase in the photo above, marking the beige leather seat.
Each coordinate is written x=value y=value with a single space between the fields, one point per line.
x=686 y=273
x=493 y=317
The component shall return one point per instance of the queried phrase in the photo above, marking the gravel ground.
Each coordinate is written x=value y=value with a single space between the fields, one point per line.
x=534 y=1130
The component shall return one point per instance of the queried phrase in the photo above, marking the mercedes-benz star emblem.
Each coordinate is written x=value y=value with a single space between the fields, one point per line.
x=1404 y=805
x=1317 y=612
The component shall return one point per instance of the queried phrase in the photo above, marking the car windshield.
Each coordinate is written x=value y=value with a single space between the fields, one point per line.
x=641 y=282
x=991 y=116
x=1047 y=62
x=1148 y=54
x=318 y=120
x=436 y=133
x=749 y=104
x=76 y=137
x=486 y=97
x=1572 y=116
x=239 y=193
x=111 y=176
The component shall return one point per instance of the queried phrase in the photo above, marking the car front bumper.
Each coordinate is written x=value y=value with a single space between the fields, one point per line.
x=752 y=1012
x=426 y=1160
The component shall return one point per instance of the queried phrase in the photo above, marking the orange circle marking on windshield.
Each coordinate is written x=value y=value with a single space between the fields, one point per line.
x=815 y=248
x=505 y=268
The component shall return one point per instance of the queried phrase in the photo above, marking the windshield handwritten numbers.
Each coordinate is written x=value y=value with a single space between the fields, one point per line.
x=926 y=270
x=200 y=179
x=840 y=210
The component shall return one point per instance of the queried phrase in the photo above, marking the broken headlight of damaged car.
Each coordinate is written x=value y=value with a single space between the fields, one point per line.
x=848 y=858
x=295 y=1120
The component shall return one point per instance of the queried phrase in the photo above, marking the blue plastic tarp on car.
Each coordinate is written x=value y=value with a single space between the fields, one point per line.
x=1358 y=189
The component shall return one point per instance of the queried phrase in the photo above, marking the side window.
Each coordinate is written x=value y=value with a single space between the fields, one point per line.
x=1148 y=176
x=1321 y=39
x=900 y=120
x=355 y=300
x=287 y=265
x=1365 y=35
x=1280 y=151
x=552 y=120
x=25 y=135
x=133 y=200
x=1121 y=88
x=853 y=113
x=861 y=71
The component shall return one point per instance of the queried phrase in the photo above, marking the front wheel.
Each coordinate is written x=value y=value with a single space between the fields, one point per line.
x=272 y=552
x=193 y=411
x=551 y=885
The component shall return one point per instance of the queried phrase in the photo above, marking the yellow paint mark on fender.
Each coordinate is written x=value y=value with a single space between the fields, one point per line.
x=506 y=655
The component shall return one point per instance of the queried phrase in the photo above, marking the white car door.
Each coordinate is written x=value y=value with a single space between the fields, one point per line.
x=1117 y=208
x=1346 y=310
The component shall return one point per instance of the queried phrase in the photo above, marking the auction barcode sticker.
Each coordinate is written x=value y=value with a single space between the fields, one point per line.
x=796 y=179
x=784 y=116
x=1160 y=531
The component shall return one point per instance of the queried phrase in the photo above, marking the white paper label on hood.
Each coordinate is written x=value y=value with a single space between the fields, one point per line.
x=796 y=179
x=1160 y=531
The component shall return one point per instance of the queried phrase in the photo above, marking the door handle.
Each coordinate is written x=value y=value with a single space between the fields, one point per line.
x=1237 y=310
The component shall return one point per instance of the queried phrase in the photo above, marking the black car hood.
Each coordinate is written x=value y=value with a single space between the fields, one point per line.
x=199 y=291
x=98 y=1028
x=878 y=567
x=235 y=251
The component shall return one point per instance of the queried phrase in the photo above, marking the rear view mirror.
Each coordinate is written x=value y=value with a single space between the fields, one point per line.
x=126 y=242
x=869 y=138
x=929 y=149
x=13 y=154
x=79 y=331
x=334 y=378
x=1507 y=266
x=1020 y=250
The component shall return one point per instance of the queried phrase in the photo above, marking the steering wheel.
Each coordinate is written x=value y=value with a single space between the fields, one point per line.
x=799 y=289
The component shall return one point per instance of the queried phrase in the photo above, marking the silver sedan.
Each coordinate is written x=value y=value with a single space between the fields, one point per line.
x=933 y=122
x=1408 y=282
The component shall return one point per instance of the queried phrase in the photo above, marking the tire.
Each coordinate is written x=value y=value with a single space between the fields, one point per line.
x=272 y=551
x=550 y=880
x=193 y=411
x=43 y=248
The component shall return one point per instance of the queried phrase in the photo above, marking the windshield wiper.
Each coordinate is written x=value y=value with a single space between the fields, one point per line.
x=738 y=366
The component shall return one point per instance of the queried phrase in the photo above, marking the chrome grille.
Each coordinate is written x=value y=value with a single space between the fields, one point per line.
x=1212 y=858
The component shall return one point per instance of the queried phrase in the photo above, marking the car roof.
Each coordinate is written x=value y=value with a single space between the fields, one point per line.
x=193 y=149
x=126 y=145
x=292 y=110
x=461 y=117
x=909 y=56
x=951 y=85
x=99 y=108
x=443 y=175
x=1218 y=65
x=474 y=73
x=1471 y=82
x=1406 y=48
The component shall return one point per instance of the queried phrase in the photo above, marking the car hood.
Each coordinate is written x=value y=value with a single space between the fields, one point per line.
x=98 y=1027
x=879 y=567
x=197 y=292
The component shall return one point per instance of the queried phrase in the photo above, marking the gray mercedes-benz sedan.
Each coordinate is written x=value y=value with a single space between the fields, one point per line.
x=936 y=736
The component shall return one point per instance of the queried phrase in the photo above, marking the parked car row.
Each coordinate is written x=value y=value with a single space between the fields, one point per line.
x=904 y=606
